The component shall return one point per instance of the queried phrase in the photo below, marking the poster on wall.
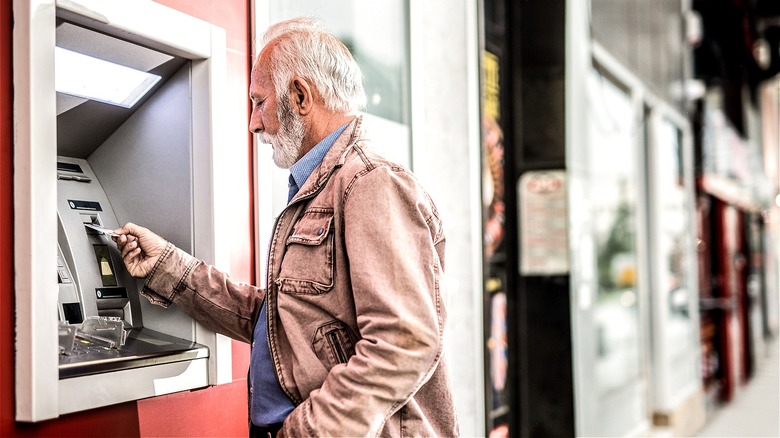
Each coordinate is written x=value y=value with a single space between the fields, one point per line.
x=499 y=353
x=497 y=364
x=492 y=158
x=544 y=242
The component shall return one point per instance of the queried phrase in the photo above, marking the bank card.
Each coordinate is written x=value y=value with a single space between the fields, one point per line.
x=102 y=230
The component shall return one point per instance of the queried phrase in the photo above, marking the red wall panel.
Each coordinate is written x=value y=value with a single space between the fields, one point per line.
x=219 y=411
x=6 y=223
x=214 y=411
x=111 y=421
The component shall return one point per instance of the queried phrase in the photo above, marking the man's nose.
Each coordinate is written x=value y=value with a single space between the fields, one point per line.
x=255 y=123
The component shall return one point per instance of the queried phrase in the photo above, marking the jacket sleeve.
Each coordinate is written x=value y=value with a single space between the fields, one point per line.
x=204 y=293
x=391 y=233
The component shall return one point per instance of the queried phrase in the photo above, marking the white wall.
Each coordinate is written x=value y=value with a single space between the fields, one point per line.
x=446 y=159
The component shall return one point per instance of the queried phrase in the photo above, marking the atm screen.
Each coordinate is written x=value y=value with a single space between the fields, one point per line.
x=104 y=265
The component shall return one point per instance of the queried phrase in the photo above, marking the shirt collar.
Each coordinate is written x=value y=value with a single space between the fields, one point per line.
x=302 y=168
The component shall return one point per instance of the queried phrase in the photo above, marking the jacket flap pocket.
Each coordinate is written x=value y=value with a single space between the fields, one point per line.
x=312 y=228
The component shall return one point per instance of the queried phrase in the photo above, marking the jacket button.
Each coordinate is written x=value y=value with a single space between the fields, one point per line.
x=320 y=231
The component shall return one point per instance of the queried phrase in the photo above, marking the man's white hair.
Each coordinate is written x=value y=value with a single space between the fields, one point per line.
x=303 y=48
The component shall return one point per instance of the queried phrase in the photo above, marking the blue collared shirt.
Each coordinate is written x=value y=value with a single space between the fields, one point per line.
x=268 y=402
x=300 y=171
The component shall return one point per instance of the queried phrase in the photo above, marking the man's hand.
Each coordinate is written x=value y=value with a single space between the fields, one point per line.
x=140 y=248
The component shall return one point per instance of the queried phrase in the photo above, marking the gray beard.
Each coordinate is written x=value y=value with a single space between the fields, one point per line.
x=287 y=142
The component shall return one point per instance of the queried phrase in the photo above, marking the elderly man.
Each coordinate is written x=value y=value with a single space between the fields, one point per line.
x=347 y=338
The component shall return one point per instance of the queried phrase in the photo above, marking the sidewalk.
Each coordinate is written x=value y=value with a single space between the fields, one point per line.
x=755 y=412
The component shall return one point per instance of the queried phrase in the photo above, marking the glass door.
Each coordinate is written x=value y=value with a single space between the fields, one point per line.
x=673 y=283
x=605 y=209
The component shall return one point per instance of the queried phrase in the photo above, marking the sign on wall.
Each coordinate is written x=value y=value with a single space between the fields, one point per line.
x=544 y=247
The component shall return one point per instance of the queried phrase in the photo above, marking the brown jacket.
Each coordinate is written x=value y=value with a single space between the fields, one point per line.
x=356 y=303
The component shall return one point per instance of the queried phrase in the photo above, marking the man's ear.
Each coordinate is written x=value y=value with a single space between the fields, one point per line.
x=301 y=94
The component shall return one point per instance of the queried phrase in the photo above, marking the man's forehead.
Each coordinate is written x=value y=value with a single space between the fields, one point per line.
x=261 y=75
x=264 y=57
x=262 y=63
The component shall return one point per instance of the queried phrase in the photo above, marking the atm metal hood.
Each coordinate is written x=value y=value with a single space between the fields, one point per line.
x=82 y=124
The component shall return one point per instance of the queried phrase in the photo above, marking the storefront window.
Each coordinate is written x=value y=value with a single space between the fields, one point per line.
x=377 y=34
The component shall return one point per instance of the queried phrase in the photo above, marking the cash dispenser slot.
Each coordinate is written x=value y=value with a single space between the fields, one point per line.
x=142 y=348
x=96 y=289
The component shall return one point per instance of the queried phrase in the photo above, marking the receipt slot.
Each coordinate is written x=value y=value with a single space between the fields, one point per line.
x=84 y=166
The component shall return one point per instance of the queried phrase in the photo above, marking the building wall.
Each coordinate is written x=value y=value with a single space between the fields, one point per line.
x=214 y=411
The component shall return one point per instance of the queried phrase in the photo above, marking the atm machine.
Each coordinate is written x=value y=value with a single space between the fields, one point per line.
x=89 y=168
x=118 y=163
x=99 y=306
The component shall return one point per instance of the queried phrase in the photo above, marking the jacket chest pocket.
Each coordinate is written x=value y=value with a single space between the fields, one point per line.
x=307 y=265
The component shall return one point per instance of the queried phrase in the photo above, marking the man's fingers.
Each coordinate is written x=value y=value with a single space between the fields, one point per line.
x=124 y=249
x=127 y=243
x=128 y=254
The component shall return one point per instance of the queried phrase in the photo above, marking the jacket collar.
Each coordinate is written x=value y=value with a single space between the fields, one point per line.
x=334 y=158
